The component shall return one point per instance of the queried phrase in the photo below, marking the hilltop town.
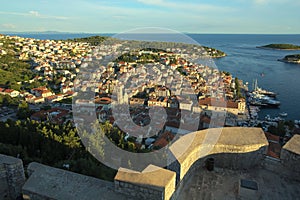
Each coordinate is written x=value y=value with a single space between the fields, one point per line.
x=42 y=78
x=46 y=83
x=54 y=66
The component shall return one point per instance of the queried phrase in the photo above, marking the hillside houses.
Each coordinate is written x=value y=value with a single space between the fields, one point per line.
x=10 y=92
x=214 y=104
x=41 y=92
x=167 y=79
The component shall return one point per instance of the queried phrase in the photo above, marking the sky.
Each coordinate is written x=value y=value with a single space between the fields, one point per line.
x=115 y=16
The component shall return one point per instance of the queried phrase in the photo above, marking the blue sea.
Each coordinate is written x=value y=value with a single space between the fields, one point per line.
x=246 y=62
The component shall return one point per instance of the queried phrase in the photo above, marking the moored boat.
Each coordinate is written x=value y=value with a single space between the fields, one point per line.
x=271 y=102
x=257 y=103
x=283 y=114
x=262 y=91
x=266 y=92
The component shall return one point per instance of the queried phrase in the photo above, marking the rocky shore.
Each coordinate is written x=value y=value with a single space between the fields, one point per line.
x=295 y=59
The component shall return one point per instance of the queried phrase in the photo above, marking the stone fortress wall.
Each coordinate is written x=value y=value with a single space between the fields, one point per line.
x=290 y=155
x=152 y=183
x=12 y=177
x=235 y=148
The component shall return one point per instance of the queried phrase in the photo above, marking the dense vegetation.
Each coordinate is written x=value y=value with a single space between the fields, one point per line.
x=282 y=128
x=296 y=56
x=155 y=46
x=291 y=59
x=282 y=46
x=144 y=58
x=12 y=69
x=238 y=89
x=6 y=100
x=59 y=145
x=50 y=144
x=93 y=40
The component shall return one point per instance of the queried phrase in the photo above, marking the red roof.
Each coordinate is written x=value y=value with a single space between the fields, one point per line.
x=43 y=114
x=122 y=63
x=46 y=91
x=161 y=142
x=272 y=137
x=9 y=91
x=164 y=139
x=205 y=119
x=39 y=88
x=218 y=103
x=103 y=100
x=52 y=97
x=70 y=92
x=274 y=150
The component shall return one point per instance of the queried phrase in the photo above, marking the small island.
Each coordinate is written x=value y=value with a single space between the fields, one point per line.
x=281 y=47
x=295 y=59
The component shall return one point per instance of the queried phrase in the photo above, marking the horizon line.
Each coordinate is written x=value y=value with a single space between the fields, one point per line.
x=108 y=33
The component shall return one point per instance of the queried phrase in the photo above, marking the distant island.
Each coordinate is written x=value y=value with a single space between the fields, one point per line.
x=281 y=47
x=295 y=59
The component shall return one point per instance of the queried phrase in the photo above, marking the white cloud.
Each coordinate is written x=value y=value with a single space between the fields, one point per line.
x=183 y=17
x=153 y=2
x=34 y=14
x=8 y=26
x=119 y=17
x=265 y=2
x=186 y=6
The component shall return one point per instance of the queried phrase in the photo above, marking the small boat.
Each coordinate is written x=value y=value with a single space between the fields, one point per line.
x=257 y=103
x=277 y=119
x=271 y=103
x=268 y=117
x=261 y=91
x=266 y=92
x=283 y=114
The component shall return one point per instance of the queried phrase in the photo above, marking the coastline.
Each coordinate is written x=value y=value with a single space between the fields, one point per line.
x=217 y=57
x=232 y=47
x=289 y=62
x=294 y=59
x=270 y=48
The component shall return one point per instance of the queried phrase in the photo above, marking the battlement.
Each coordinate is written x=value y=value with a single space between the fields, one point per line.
x=12 y=177
x=47 y=182
x=153 y=183
x=290 y=156
x=231 y=148
x=234 y=148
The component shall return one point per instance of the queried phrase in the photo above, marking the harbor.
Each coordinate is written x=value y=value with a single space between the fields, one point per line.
x=258 y=99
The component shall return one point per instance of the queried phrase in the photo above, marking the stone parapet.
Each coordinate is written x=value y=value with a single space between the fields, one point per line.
x=152 y=183
x=47 y=183
x=290 y=156
x=234 y=148
x=12 y=177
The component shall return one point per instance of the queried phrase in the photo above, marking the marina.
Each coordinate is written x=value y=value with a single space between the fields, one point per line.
x=263 y=98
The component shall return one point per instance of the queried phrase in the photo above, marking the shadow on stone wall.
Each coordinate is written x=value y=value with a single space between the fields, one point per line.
x=235 y=149
x=231 y=161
